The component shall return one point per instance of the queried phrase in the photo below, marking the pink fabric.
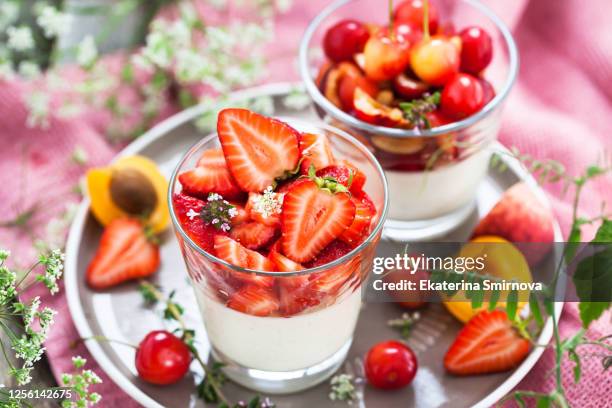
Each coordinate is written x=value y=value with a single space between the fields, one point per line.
x=560 y=109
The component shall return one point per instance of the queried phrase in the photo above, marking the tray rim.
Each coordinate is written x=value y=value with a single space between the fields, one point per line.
x=273 y=89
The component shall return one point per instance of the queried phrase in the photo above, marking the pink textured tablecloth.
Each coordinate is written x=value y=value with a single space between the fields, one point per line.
x=561 y=108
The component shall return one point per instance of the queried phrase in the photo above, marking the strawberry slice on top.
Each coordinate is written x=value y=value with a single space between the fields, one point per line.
x=315 y=150
x=253 y=235
x=211 y=175
x=257 y=149
x=486 y=344
x=125 y=253
x=315 y=213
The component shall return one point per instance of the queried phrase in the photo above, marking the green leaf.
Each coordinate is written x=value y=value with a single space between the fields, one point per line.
x=594 y=171
x=591 y=311
x=593 y=282
x=493 y=299
x=573 y=356
x=520 y=401
x=573 y=242
x=477 y=298
x=604 y=233
x=543 y=402
x=534 y=307
x=511 y=304
x=254 y=403
x=549 y=306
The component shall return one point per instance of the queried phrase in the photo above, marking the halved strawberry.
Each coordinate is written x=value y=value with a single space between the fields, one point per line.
x=329 y=282
x=257 y=149
x=282 y=263
x=345 y=174
x=212 y=158
x=252 y=208
x=254 y=300
x=296 y=299
x=316 y=150
x=125 y=253
x=231 y=251
x=486 y=344
x=188 y=210
x=312 y=218
x=242 y=215
x=253 y=235
x=330 y=253
x=355 y=233
x=201 y=181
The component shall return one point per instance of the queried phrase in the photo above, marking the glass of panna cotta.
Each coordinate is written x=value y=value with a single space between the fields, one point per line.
x=288 y=329
x=434 y=162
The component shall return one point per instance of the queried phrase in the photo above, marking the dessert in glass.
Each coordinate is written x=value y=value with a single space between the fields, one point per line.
x=422 y=85
x=278 y=221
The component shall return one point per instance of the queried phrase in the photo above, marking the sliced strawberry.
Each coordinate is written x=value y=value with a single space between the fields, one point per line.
x=330 y=253
x=253 y=235
x=254 y=300
x=231 y=251
x=315 y=150
x=361 y=224
x=296 y=299
x=312 y=218
x=188 y=210
x=201 y=181
x=252 y=208
x=212 y=158
x=282 y=263
x=242 y=215
x=288 y=185
x=257 y=149
x=486 y=344
x=329 y=282
x=345 y=174
x=125 y=253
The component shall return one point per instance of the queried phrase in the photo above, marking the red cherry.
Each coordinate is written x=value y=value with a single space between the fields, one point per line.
x=411 y=12
x=390 y=365
x=162 y=358
x=345 y=39
x=408 y=87
x=462 y=96
x=476 y=49
x=351 y=78
x=436 y=60
x=488 y=90
x=386 y=56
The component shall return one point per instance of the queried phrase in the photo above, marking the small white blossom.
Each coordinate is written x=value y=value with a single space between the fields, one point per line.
x=4 y=254
x=53 y=22
x=342 y=388
x=232 y=212
x=214 y=197
x=6 y=71
x=192 y=214
x=79 y=156
x=54 y=266
x=215 y=221
x=9 y=11
x=225 y=227
x=158 y=49
x=38 y=105
x=269 y=203
x=296 y=100
x=31 y=312
x=87 y=52
x=28 y=70
x=20 y=38
x=284 y=5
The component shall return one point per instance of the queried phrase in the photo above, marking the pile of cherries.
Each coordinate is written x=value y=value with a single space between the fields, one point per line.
x=372 y=69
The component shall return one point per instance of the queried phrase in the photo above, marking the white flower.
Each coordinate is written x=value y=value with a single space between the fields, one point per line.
x=191 y=66
x=192 y=214
x=284 y=5
x=28 y=70
x=6 y=71
x=4 y=254
x=296 y=100
x=54 y=266
x=79 y=156
x=269 y=203
x=214 y=197
x=53 y=22
x=9 y=11
x=20 y=38
x=38 y=104
x=263 y=105
x=87 y=53
x=31 y=312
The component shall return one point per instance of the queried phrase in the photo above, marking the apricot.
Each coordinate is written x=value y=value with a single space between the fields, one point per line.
x=503 y=260
x=130 y=187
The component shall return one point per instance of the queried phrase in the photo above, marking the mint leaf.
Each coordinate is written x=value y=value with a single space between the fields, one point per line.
x=593 y=282
x=543 y=402
x=511 y=304
x=534 y=307
x=573 y=356
x=591 y=311
x=604 y=233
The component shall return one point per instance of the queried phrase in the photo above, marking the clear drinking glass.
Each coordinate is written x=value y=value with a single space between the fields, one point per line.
x=306 y=339
x=433 y=174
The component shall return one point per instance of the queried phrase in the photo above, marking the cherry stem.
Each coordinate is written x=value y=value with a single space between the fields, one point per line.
x=426 y=20
x=391 y=20
x=176 y=314
x=78 y=341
